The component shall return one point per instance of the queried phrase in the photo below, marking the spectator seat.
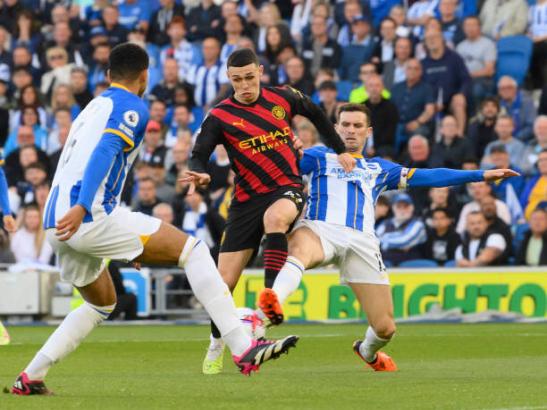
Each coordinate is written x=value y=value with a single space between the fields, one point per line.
x=514 y=54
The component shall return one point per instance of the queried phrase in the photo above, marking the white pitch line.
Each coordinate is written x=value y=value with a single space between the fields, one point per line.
x=521 y=408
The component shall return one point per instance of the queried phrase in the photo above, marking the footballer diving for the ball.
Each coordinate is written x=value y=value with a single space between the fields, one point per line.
x=339 y=226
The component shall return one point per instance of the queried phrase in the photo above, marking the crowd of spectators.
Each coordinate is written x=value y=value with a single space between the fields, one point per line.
x=426 y=69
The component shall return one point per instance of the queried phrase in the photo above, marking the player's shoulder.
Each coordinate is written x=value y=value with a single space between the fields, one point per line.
x=127 y=107
x=319 y=151
x=285 y=91
x=382 y=163
x=227 y=102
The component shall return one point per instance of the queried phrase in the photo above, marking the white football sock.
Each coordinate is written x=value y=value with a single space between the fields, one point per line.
x=67 y=337
x=288 y=279
x=213 y=294
x=216 y=347
x=371 y=345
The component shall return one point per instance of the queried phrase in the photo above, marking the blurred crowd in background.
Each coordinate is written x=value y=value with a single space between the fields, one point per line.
x=457 y=84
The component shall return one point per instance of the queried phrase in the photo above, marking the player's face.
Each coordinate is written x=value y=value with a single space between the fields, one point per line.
x=353 y=128
x=246 y=82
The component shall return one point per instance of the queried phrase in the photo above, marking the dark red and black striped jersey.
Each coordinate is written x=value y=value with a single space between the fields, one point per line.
x=259 y=139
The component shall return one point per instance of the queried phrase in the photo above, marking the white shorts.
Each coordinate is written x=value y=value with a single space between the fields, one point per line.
x=118 y=236
x=356 y=253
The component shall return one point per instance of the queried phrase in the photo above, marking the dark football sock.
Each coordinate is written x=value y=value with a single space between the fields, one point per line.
x=275 y=255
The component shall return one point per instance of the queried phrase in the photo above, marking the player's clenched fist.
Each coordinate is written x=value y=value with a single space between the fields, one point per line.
x=69 y=224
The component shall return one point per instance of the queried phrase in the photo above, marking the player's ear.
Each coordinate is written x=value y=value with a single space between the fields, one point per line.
x=108 y=76
x=261 y=69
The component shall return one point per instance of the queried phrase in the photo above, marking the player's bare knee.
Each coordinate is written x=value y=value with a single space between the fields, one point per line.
x=275 y=221
x=296 y=250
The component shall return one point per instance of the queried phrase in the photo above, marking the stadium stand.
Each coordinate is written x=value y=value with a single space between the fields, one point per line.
x=53 y=56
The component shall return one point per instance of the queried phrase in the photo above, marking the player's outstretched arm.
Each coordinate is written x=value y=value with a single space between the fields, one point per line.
x=209 y=136
x=97 y=168
x=304 y=106
x=440 y=177
x=9 y=222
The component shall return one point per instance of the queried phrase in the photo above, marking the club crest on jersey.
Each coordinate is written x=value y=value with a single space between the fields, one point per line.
x=278 y=112
x=131 y=118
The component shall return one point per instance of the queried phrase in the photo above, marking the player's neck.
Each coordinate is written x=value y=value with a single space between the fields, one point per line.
x=356 y=153
x=132 y=88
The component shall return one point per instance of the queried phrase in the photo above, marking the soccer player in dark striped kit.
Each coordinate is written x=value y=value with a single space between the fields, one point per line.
x=254 y=125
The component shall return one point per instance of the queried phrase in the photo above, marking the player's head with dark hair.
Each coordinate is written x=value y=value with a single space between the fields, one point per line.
x=242 y=57
x=354 y=126
x=244 y=72
x=351 y=107
x=128 y=63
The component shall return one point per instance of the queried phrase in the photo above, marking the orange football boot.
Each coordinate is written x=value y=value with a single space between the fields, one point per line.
x=383 y=362
x=269 y=304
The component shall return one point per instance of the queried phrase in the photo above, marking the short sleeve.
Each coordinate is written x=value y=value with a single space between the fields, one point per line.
x=310 y=159
x=491 y=53
x=127 y=122
x=496 y=241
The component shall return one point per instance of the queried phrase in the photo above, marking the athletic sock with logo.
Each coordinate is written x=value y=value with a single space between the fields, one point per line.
x=275 y=255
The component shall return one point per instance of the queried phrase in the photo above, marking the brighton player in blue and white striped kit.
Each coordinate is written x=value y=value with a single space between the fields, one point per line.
x=85 y=225
x=339 y=225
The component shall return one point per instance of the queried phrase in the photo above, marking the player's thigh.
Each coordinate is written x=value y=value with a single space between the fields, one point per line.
x=377 y=303
x=280 y=215
x=118 y=236
x=78 y=268
x=244 y=228
x=87 y=273
x=283 y=208
x=306 y=246
x=231 y=264
x=163 y=247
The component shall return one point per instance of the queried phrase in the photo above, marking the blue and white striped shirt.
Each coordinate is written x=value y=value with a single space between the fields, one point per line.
x=347 y=198
x=207 y=82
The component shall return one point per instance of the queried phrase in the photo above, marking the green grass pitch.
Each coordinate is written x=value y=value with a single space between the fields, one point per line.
x=488 y=366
